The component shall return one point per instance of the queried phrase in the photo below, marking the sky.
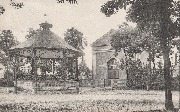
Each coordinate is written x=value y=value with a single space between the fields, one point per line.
x=84 y=16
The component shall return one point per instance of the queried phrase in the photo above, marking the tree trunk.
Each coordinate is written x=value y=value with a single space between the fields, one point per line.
x=149 y=71
x=167 y=79
x=15 y=76
x=126 y=67
x=154 y=64
x=179 y=77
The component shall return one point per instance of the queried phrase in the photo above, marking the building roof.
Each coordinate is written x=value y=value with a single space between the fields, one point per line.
x=105 y=40
x=45 y=39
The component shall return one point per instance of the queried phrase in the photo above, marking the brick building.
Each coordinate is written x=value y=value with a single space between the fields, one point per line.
x=105 y=69
x=106 y=72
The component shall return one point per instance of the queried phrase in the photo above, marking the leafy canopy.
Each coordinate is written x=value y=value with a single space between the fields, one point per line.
x=126 y=38
x=7 y=41
x=75 y=38
x=32 y=32
x=149 y=13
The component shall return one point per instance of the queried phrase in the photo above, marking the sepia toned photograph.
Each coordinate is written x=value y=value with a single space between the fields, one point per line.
x=89 y=55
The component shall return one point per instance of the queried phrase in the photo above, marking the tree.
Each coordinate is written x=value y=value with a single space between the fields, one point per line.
x=84 y=70
x=32 y=32
x=13 y=3
x=7 y=41
x=2 y=10
x=75 y=38
x=126 y=38
x=150 y=44
x=156 y=16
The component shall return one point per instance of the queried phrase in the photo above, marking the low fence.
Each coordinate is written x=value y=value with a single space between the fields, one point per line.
x=57 y=85
x=86 y=83
x=49 y=85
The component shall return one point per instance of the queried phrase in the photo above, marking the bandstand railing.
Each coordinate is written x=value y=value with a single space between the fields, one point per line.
x=50 y=82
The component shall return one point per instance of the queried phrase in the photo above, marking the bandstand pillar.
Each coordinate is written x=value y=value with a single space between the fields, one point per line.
x=34 y=71
x=77 y=70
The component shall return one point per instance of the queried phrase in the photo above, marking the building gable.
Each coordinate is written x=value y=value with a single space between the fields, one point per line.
x=105 y=40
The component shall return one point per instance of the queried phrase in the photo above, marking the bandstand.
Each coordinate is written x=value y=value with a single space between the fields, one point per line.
x=45 y=46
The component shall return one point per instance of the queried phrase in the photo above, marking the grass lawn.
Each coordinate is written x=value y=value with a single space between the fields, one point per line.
x=88 y=100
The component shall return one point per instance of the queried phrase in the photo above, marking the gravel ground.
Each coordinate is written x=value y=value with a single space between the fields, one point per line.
x=88 y=100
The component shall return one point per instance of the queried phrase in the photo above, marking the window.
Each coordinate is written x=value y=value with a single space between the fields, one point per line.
x=113 y=70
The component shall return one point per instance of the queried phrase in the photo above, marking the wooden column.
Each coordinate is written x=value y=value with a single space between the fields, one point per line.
x=77 y=70
x=34 y=70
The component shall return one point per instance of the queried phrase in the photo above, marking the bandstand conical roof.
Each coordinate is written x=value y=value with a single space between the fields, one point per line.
x=45 y=39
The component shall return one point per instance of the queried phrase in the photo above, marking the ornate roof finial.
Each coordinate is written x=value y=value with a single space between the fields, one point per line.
x=46 y=26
